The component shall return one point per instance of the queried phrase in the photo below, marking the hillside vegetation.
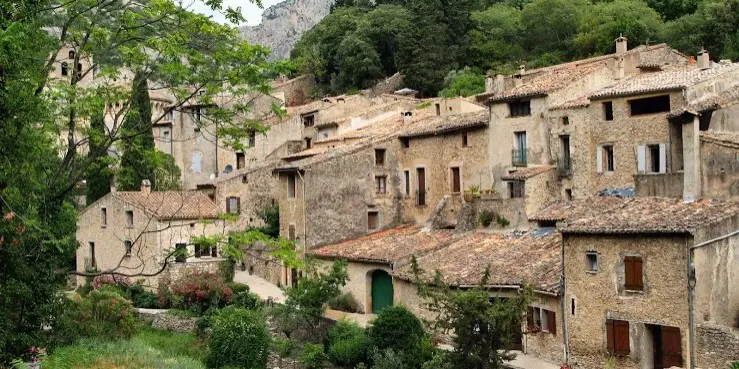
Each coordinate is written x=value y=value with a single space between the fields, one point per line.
x=428 y=40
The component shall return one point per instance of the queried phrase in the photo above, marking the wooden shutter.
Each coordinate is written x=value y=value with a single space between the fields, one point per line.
x=638 y=274
x=610 y=331
x=628 y=272
x=671 y=347
x=238 y=205
x=641 y=165
x=621 y=337
x=551 y=322
x=599 y=159
x=662 y=158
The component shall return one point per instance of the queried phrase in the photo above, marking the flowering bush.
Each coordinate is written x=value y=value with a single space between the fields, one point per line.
x=111 y=280
x=102 y=314
x=199 y=291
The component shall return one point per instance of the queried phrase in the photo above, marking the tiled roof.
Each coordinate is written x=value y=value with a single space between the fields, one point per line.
x=442 y=124
x=730 y=139
x=305 y=153
x=533 y=259
x=579 y=102
x=395 y=245
x=546 y=82
x=723 y=99
x=171 y=205
x=652 y=215
x=577 y=209
x=526 y=173
x=676 y=79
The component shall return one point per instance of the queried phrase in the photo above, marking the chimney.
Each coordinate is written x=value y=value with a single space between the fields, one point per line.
x=621 y=45
x=145 y=186
x=691 y=60
x=704 y=59
x=407 y=116
x=521 y=69
x=489 y=84
x=495 y=85
x=112 y=186
x=618 y=70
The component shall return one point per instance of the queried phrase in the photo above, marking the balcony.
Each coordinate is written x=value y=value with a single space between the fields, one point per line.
x=564 y=167
x=519 y=158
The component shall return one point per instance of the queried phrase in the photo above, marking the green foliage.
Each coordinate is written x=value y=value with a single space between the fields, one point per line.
x=238 y=287
x=138 y=141
x=283 y=346
x=270 y=215
x=551 y=25
x=734 y=365
x=486 y=218
x=463 y=83
x=200 y=291
x=358 y=64
x=165 y=171
x=502 y=221
x=712 y=26
x=313 y=356
x=347 y=344
x=397 y=329
x=496 y=38
x=100 y=176
x=388 y=359
x=172 y=343
x=308 y=297
x=345 y=302
x=286 y=319
x=102 y=314
x=247 y=300
x=240 y=337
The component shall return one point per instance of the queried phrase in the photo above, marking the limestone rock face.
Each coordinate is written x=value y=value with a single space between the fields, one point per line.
x=284 y=23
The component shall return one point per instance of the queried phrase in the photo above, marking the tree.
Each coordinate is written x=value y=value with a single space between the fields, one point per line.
x=481 y=325
x=139 y=139
x=463 y=83
x=100 y=175
x=604 y=22
x=714 y=26
x=311 y=293
x=358 y=64
x=551 y=25
x=496 y=38
x=383 y=26
x=673 y=9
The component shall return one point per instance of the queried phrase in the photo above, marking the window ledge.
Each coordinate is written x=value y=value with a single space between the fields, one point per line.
x=591 y=272
x=634 y=292
x=103 y=226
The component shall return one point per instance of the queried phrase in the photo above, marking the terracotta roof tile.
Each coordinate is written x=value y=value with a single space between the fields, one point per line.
x=723 y=99
x=305 y=153
x=652 y=215
x=547 y=81
x=533 y=259
x=171 y=205
x=441 y=124
x=662 y=81
x=579 y=102
x=526 y=173
x=395 y=245
x=577 y=209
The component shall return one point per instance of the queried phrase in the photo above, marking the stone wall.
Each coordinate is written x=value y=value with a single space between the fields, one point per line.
x=260 y=263
x=541 y=191
x=175 y=271
x=360 y=281
x=716 y=346
x=659 y=185
x=600 y=296
x=257 y=188
x=719 y=170
x=514 y=210
x=166 y=322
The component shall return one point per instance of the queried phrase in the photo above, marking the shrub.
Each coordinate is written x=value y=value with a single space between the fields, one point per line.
x=240 y=337
x=313 y=356
x=247 y=300
x=387 y=359
x=145 y=299
x=486 y=218
x=283 y=346
x=237 y=287
x=398 y=329
x=503 y=222
x=111 y=280
x=103 y=314
x=200 y=291
x=347 y=344
x=345 y=302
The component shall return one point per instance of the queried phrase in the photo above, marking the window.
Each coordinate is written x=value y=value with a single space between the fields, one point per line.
x=438 y=109
x=465 y=141
x=165 y=135
x=309 y=120
x=565 y=120
x=605 y=159
x=421 y=186
x=406 y=142
x=650 y=105
x=633 y=273
x=373 y=219
x=379 y=157
x=129 y=218
x=93 y=262
x=572 y=305
x=252 y=139
x=516 y=189
x=541 y=319
x=291 y=186
x=519 y=108
x=591 y=261
x=197 y=119
x=245 y=178
x=65 y=69
x=568 y=194
x=564 y=163
x=104 y=216
x=214 y=252
x=233 y=205
x=456 y=180
x=197 y=250
x=308 y=143
x=240 y=160
x=228 y=169
x=71 y=54
x=608 y=110
x=170 y=114
x=519 y=149
x=407 y=175
x=180 y=252
x=656 y=158
x=128 y=246
x=380 y=184
x=617 y=337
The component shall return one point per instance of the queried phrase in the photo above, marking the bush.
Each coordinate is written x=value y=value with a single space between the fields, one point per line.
x=387 y=359
x=146 y=300
x=199 y=292
x=347 y=344
x=503 y=222
x=240 y=337
x=486 y=218
x=313 y=356
x=398 y=329
x=345 y=302
x=103 y=314
x=111 y=280
x=237 y=287
x=247 y=300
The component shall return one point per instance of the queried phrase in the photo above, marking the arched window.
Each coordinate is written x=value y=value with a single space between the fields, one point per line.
x=71 y=54
x=65 y=69
x=228 y=169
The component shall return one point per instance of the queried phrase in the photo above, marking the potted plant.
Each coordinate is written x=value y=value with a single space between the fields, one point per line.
x=475 y=189
x=468 y=195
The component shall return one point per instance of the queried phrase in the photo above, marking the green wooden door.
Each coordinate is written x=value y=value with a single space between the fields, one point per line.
x=382 y=290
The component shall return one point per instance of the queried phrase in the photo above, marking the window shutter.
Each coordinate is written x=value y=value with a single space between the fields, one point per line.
x=238 y=205
x=610 y=332
x=641 y=165
x=530 y=317
x=638 y=277
x=621 y=342
x=551 y=319
x=599 y=159
x=228 y=205
x=628 y=271
x=662 y=159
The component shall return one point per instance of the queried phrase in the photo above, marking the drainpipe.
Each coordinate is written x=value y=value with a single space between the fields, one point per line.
x=565 y=336
x=691 y=287
x=305 y=228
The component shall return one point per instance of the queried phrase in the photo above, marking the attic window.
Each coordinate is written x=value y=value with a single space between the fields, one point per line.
x=129 y=218
x=309 y=120
x=650 y=105
x=406 y=142
x=519 y=108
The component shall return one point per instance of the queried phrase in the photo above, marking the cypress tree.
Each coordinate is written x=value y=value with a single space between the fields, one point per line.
x=100 y=175
x=139 y=139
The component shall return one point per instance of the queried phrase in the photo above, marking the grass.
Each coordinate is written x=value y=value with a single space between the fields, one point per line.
x=150 y=349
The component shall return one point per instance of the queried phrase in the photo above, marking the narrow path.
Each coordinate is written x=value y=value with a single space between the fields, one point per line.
x=261 y=287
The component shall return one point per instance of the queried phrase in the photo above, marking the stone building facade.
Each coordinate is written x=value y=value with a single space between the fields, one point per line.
x=134 y=232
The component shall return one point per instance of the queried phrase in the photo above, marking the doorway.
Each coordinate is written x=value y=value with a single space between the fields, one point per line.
x=666 y=347
x=421 y=178
x=382 y=291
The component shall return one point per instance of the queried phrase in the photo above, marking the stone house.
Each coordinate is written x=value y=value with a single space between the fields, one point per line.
x=133 y=233
x=648 y=281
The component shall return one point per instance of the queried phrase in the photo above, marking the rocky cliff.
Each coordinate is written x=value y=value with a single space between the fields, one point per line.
x=284 y=23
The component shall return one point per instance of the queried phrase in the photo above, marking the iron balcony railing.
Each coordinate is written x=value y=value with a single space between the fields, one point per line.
x=519 y=158
x=564 y=167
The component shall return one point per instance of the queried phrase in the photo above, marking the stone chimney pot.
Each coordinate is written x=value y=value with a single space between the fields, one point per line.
x=146 y=186
x=621 y=45
x=704 y=59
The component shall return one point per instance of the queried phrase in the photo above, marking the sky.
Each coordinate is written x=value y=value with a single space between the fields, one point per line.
x=251 y=12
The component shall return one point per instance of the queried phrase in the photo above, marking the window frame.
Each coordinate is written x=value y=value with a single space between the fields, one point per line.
x=128 y=246
x=407 y=176
x=129 y=219
x=609 y=158
x=608 y=111
x=380 y=156
x=519 y=108
x=230 y=207
x=592 y=262
x=517 y=189
x=380 y=184
x=633 y=273
x=292 y=188
x=614 y=344
x=455 y=180
x=465 y=139
x=370 y=215
x=104 y=217
x=649 y=105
